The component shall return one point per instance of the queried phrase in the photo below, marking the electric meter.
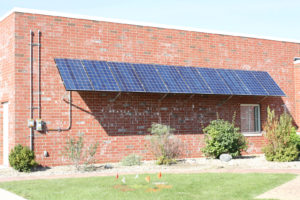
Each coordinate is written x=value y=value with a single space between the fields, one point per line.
x=31 y=123
x=39 y=125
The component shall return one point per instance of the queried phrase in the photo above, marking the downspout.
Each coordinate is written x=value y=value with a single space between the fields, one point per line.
x=31 y=87
x=39 y=75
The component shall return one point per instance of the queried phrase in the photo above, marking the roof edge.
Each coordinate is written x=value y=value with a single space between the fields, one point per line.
x=130 y=22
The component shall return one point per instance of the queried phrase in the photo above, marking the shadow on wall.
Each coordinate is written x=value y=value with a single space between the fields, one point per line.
x=133 y=113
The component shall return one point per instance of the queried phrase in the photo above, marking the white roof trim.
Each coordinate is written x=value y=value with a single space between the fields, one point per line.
x=121 y=21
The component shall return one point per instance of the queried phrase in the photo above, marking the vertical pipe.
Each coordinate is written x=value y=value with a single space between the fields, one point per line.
x=39 y=75
x=31 y=87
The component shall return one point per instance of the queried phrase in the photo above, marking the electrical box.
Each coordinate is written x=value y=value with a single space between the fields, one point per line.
x=31 y=123
x=39 y=125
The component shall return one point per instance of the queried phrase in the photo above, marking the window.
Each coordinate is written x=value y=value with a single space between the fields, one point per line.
x=250 y=118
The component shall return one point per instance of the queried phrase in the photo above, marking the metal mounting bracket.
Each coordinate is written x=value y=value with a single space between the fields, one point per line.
x=116 y=97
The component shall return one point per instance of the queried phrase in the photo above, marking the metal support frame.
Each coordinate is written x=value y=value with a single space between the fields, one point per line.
x=115 y=98
x=224 y=101
x=262 y=99
x=191 y=96
x=163 y=97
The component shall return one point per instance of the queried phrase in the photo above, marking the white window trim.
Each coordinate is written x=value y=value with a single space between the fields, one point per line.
x=253 y=134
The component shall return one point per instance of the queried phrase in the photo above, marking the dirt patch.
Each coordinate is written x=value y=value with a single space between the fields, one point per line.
x=123 y=188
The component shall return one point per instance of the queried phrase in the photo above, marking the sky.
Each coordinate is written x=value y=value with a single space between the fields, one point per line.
x=270 y=18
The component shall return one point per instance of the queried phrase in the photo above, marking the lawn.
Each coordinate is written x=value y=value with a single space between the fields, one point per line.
x=208 y=186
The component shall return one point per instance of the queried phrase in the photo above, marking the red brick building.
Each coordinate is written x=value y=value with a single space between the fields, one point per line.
x=120 y=122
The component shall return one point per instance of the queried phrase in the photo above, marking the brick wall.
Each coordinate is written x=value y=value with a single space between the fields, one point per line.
x=7 y=77
x=297 y=91
x=121 y=126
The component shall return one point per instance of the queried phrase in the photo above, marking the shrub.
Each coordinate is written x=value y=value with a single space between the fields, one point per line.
x=90 y=157
x=74 y=150
x=295 y=139
x=223 y=137
x=280 y=133
x=131 y=160
x=22 y=158
x=164 y=145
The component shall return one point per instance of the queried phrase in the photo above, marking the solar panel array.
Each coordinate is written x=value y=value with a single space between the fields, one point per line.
x=92 y=75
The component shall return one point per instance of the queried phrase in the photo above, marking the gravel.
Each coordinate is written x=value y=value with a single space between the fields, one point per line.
x=245 y=162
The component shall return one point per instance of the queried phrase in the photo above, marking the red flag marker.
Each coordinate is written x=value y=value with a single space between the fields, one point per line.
x=117 y=176
x=159 y=175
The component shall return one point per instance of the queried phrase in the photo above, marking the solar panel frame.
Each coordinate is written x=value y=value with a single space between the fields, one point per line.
x=194 y=80
x=173 y=80
x=268 y=83
x=100 y=75
x=233 y=82
x=251 y=82
x=126 y=77
x=73 y=75
x=214 y=81
x=150 y=78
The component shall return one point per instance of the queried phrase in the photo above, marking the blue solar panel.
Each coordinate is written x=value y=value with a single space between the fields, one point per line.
x=214 y=81
x=172 y=79
x=88 y=75
x=100 y=75
x=268 y=83
x=73 y=75
x=150 y=78
x=126 y=77
x=194 y=80
x=233 y=82
x=251 y=82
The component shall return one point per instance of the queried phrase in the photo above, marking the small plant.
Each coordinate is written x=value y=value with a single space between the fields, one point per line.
x=90 y=157
x=131 y=160
x=281 y=136
x=22 y=159
x=223 y=137
x=164 y=145
x=74 y=150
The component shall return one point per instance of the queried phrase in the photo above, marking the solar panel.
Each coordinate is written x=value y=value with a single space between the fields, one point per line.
x=251 y=82
x=172 y=79
x=214 y=81
x=194 y=80
x=100 y=75
x=126 y=77
x=88 y=75
x=233 y=82
x=268 y=83
x=73 y=75
x=150 y=78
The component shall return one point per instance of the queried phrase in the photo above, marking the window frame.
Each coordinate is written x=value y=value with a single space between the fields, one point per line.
x=256 y=133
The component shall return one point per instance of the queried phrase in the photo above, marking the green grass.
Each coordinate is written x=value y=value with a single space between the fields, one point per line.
x=207 y=186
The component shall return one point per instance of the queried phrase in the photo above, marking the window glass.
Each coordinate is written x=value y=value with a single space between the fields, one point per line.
x=250 y=118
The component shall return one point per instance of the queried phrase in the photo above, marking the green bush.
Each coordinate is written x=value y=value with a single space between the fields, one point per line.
x=164 y=145
x=22 y=158
x=295 y=139
x=131 y=160
x=164 y=160
x=281 y=135
x=223 y=137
